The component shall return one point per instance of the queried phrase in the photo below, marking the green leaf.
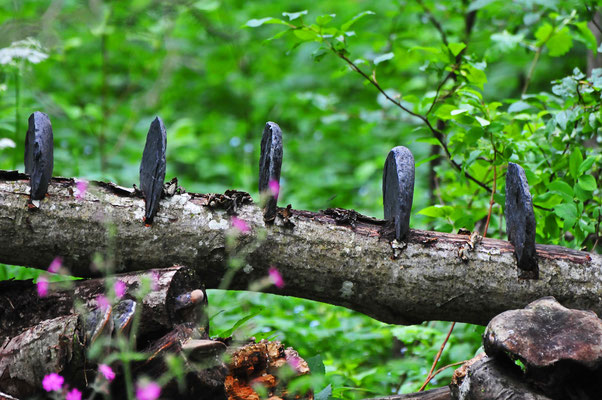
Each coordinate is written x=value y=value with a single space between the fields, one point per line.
x=587 y=182
x=325 y=393
x=562 y=188
x=543 y=33
x=478 y=4
x=506 y=41
x=518 y=106
x=560 y=43
x=276 y=36
x=444 y=111
x=568 y=212
x=383 y=57
x=562 y=118
x=353 y=20
x=456 y=48
x=482 y=121
x=436 y=211
x=295 y=15
x=586 y=34
x=428 y=159
x=254 y=23
x=206 y=5
x=474 y=75
x=306 y=35
x=316 y=364
x=574 y=163
x=586 y=164
x=324 y=19
x=238 y=324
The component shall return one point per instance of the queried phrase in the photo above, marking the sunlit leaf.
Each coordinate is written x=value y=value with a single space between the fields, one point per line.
x=254 y=23
x=383 y=57
x=293 y=16
x=456 y=48
x=353 y=20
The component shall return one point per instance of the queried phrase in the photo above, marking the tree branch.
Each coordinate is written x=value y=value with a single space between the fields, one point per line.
x=436 y=133
x=339 y=260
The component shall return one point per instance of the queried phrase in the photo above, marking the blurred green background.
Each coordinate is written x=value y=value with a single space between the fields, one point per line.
x=102 y=70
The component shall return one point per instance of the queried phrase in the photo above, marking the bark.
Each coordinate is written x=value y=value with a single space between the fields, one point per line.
x=489 y=379
x=43 y=335
x=338 y=257
x=442 y=393
x=22 y=308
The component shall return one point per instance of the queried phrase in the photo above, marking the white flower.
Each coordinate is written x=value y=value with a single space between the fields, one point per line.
x=29 y=49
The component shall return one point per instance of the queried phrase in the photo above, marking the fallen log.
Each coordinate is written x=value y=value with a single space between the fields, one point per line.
x=40 y=335
x=442 y=393
x=338 y=256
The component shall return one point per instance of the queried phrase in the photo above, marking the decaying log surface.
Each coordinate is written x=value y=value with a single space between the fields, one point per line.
x=43 y=335
x=21 y=307
x=489 y=379
x=442 y=393
x=338 y=257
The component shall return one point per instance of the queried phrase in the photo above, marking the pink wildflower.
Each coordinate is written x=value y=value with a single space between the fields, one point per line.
x=74 y=394
x=103 y=302
x=106 y=371
x=276 y=277
x=148 y=391
x=55 y=265
x=81 y=188
x=120 y=289
x=53 y=382
x=42 y=286
x=155 y=283
x=274 y=187
x=294 y=362
x=240 y=225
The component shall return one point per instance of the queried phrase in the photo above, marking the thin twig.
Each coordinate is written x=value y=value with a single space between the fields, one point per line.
x=532 y=69
x=593 y=20
x=438 y=134
x=448 y=366
x=430 y=375
x=439 y=89
x=491 y=200
x=434 y=21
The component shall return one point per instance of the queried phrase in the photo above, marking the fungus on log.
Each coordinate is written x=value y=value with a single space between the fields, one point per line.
x=320 y=258
x=39 y=154
x=560 y=348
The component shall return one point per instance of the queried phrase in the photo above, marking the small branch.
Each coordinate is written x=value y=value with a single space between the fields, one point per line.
x=434 y=21
x=449 y=75
x=436 y=133
x=491 y=200
x=16 y=154
x=430 y=375
x=531 y=70
x=593 y=13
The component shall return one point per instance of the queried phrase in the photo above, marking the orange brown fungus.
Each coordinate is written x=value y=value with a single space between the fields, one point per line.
x=257 y=364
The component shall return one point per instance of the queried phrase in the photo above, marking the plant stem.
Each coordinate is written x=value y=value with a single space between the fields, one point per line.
x=103 y=100
x=431 y=375
x=17 y=114
x=532 y=69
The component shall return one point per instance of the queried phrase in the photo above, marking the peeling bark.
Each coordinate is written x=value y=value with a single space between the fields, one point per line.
x=342 y=261
x=442 y=393
x=22 y=308
x=43 y=335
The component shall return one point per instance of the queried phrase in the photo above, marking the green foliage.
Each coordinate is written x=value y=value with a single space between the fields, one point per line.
x=488 y=81
x=482 y=133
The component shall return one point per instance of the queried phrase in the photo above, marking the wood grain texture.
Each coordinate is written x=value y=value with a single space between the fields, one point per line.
x=340 y=258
